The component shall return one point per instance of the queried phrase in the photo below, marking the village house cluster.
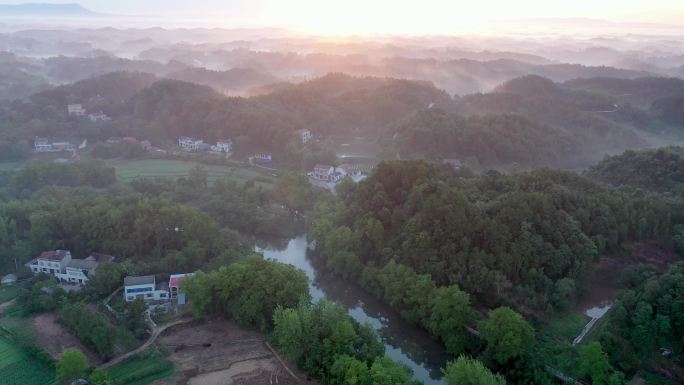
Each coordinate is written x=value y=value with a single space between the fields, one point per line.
x=44 y=145
x=188 y=144
x=61 y=265
x=79 y=111
x=155 y=293
x=332 y=174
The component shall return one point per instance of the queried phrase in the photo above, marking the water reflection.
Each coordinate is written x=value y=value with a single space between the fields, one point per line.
x=404 y=342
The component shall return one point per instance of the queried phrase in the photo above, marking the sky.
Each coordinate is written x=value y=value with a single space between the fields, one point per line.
x=389 y=16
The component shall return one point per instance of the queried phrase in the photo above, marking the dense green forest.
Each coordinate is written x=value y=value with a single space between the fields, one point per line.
x=487 y=141
x=81 y=207
x=437 y=246
x=525 y=239
x=660 y=170
x=646 y=324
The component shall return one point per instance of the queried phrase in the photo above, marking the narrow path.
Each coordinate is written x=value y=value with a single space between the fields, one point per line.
x=6 y=305
x=144 y=346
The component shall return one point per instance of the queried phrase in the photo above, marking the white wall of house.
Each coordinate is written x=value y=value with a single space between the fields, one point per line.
x=146 y=291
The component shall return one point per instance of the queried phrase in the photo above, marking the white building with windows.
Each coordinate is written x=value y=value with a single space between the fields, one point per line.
x=190 y=144
x=305 y=135
x=50 y=262
x=223 y=146
x=99 y=117
x=76 y=110
x=42 y=144
x=144 y=287
x=62 y=266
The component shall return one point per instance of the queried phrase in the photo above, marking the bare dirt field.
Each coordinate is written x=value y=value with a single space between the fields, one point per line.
x=55 y=338
x=218 y=352
x=605 y=279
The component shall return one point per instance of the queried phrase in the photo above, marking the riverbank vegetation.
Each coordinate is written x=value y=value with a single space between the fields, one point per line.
x=413 y=230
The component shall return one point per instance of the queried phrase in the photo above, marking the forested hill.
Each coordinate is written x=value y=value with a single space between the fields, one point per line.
x=589 y=117
x=339 y=104
x=161 y=110
x=490 y=141
x=233 y=81
x=641 y=92
x=659 y=170
x=526 y=240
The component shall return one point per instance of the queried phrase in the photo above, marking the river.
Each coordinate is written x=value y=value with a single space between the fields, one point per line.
x=404 y=342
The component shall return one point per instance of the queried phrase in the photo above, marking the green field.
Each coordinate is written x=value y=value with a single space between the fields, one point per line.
x=141 y=370
x=18 y=367
x=129 y=169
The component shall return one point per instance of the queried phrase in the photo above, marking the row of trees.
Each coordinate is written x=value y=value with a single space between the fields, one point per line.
x=92 y=328
x=247 y=291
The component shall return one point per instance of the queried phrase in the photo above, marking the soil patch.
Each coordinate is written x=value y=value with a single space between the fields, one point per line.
x=218 y=352
x=55 y=338
x=605 y=279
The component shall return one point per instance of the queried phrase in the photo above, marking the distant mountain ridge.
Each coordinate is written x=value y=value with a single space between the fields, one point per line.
x=44 y=9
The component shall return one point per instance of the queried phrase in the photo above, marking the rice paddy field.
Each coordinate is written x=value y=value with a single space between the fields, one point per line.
x=18 y=367
x=141 y=370
x=130 y=169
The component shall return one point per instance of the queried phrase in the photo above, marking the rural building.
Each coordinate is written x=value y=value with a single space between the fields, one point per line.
x=42 y=144
x=78 y=271
x=191 y=145
x=225 y=146
x=76 y=110
x=305 y=135
x=62 y=266
x=63 y=146
x=144 y=287
x=50 y=262
x=323 y=172
x=263 y=158
x=175 y=287
x=9 y=279
x=99 y=117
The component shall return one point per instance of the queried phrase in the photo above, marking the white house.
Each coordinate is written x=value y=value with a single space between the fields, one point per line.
x=99 y=117
x=191 y=145
x=144 y=287
x=42 y=145
x=175 y=287
x=76 y=110
x=62 y=266
x=50 y=262
x=225 y=146
x=78 y=271
x=263 y=158
x=323 y=172
x=305 y=135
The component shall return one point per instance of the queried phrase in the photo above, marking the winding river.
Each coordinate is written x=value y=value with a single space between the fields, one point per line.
x=405 y=343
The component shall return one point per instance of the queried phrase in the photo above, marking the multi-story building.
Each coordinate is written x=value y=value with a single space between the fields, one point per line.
x=144 y=287
x=76 y=110
x=305 y=135
x=42 y=145
x=176 y=287
x=62 y=266
x=191 y=145
x=50 y=262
